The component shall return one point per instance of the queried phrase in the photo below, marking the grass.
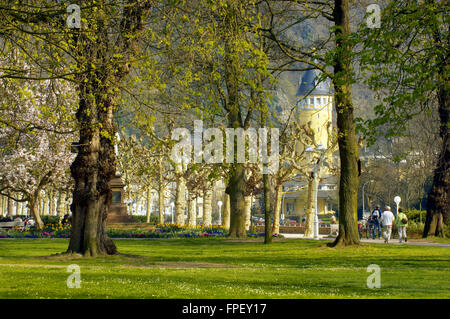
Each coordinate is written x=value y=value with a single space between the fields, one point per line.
x=225 y=269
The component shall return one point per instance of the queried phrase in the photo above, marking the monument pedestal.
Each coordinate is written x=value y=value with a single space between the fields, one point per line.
x=118 y=212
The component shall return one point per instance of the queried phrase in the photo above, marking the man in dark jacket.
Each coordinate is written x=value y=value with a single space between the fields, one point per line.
x=376 y=216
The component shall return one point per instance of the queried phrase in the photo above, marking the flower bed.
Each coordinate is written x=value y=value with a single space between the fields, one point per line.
x=162 y=231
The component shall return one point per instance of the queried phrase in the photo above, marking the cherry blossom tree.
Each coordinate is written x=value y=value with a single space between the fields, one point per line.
x=35 y=139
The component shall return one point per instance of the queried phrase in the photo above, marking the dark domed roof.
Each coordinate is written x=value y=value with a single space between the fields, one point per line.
x=309 y=81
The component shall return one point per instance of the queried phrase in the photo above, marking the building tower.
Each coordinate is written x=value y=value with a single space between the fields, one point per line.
x=315 y=105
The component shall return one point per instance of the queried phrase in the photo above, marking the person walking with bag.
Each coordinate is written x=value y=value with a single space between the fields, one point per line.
x=387 y=219
x=402 y=223
x=376 y=216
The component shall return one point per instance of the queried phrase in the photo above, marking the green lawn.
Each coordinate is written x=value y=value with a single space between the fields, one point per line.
x=222 y=268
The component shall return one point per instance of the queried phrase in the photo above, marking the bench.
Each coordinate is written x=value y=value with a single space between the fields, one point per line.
x=12 y=225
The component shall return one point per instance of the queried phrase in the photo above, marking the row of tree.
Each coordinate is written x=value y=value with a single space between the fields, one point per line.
x=159 y=64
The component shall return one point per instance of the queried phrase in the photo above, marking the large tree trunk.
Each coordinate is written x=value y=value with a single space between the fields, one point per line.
x=309 y=224
x=277 y=209
x=97 y=78
x=92 y=170
x=207 y=208
x=438 y=203
x=226 y=212
x=348 y=148
x=236 y=188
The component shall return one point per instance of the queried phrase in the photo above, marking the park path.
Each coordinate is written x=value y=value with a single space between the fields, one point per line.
x=378 y=241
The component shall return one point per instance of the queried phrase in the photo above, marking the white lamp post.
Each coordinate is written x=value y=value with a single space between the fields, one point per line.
x=363 y=208
x=219 y=203
x=172 y=204
x=320 y=149
x=397 y=200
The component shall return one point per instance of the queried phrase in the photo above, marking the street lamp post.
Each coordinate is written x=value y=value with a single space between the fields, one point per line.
x=363 y=208
x=219 y=203
x=397 y=200
x=316 y=213
x=320 y=149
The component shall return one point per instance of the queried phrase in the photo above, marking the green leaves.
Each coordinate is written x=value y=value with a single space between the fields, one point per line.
x=402 y=60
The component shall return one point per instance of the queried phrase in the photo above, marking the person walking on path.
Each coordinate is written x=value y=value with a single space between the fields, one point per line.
x=387 y=219
x=376 y=216
x=402 y=223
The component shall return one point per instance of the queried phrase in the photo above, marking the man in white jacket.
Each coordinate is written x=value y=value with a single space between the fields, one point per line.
x=387 y=219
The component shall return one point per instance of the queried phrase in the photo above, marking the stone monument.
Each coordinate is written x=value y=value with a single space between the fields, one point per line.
x=118 y=212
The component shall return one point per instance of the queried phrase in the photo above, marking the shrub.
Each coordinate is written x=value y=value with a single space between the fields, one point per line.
x=50 y=220
x=415 y=228
x=143 y=219
x=414 y=215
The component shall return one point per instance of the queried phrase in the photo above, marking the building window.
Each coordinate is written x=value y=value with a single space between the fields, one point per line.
x=311 y=101
x=318 y=100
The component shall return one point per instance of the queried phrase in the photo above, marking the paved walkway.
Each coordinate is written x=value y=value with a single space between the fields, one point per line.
x=376 y=241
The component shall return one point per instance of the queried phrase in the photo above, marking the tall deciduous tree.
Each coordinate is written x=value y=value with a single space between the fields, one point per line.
x=105 y=48
x=408 y=62
x=348 y=148
x=219 y=60
x=335 y=50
